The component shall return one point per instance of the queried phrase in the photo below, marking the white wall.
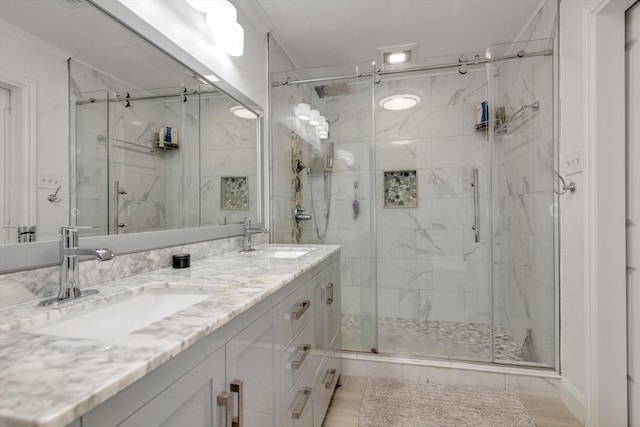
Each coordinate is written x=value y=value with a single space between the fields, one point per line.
x=572 y=206
x=46 y=67
x=593 y=220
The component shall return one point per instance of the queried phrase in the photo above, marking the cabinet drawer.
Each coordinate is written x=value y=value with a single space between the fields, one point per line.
x=326 y=384
x=298 y=406
x=295 y=358
x=295 y=311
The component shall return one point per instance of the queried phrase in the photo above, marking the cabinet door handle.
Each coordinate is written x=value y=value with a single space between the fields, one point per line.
x=236 y=387
x=329 y=377
x=300 y=309
x=300 y=402
x=327 y=293
x=224 y=399
x=304 y=351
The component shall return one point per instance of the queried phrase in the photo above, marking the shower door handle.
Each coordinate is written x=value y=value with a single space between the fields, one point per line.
x=476 y=205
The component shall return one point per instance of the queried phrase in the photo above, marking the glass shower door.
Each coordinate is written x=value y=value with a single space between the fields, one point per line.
x=90 y=201
x=433 y=277
x=346 y=103
x=525 y=204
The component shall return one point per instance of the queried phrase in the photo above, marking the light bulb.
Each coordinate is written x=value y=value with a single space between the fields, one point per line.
x=303 y=111
x=314 y=118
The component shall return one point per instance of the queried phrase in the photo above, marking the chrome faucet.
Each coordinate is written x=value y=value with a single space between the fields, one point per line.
x=70 y=266
x=299 y=215
x=248 y=231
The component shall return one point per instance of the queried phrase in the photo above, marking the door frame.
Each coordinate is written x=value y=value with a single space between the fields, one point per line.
x=605 y=400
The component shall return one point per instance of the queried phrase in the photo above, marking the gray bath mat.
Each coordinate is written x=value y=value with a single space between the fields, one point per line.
x=394 y=403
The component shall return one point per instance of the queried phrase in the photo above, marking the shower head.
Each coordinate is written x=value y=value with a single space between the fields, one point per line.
x=335 y=89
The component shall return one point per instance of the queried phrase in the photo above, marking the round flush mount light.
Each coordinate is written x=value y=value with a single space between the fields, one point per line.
x=399 y=102
x=242 y=112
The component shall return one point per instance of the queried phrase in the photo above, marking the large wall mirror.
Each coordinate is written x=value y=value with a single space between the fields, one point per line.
x=100 y=128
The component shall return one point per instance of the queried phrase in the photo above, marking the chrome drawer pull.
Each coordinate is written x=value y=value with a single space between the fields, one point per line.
x=304 y=350
x=300 y=402
x=329 y=377
x=301 y=308
x=236 y=387
x=224 y=399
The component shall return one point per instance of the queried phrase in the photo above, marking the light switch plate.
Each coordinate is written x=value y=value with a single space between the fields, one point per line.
x=48 y=180
x=572 y=163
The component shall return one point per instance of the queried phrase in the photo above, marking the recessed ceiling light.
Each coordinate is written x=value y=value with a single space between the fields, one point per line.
x=399 y=102
x=242 y=112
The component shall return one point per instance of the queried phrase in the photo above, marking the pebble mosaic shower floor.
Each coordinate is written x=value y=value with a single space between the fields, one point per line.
x=456 y=340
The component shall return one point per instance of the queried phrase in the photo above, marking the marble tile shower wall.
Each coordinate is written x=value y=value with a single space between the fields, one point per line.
x=284 y=126
x=143 y=173
x=429 y=266
x=22 y=286
x=227 y=149
x=526 y=202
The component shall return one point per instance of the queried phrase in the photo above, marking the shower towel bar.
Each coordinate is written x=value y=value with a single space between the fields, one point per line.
x=533 y=106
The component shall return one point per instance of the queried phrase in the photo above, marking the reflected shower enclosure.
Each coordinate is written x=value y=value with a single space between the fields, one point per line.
x=159 y=159
x=441 y=195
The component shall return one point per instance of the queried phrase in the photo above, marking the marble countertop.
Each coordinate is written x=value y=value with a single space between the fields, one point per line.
x=47 y=380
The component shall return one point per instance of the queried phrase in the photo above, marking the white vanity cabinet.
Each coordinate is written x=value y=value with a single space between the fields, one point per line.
x=275 y=365
x=307 y=391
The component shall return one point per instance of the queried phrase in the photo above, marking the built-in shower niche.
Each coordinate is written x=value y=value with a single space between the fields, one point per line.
x=235 y=192
x=400 y=189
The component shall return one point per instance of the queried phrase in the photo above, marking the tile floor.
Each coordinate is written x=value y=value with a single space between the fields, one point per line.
x=345 y=407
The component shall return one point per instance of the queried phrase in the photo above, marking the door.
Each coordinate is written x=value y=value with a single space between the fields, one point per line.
x=252 y=370
x=190 y=401
x=633 y=213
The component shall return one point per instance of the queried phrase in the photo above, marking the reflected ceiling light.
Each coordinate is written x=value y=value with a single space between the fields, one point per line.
x=324 y=124
x=211 y=77
x=402 y=142
x=242 y=112
x=323 y=134
x=314 y=118
x=303 y=111
x=399 y=102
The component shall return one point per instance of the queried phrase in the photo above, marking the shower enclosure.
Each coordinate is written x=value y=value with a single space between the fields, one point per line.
x=446 y=212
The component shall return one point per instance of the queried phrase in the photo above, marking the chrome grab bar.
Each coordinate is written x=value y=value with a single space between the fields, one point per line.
x=476 y=204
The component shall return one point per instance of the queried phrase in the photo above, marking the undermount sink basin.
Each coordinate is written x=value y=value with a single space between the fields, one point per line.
x=118 y=319
x=285 y=252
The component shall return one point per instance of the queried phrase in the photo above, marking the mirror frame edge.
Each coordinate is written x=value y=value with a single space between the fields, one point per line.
x=27 y=256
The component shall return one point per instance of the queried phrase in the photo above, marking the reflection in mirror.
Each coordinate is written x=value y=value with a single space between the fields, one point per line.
x=64 y=79
x=162 y=159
